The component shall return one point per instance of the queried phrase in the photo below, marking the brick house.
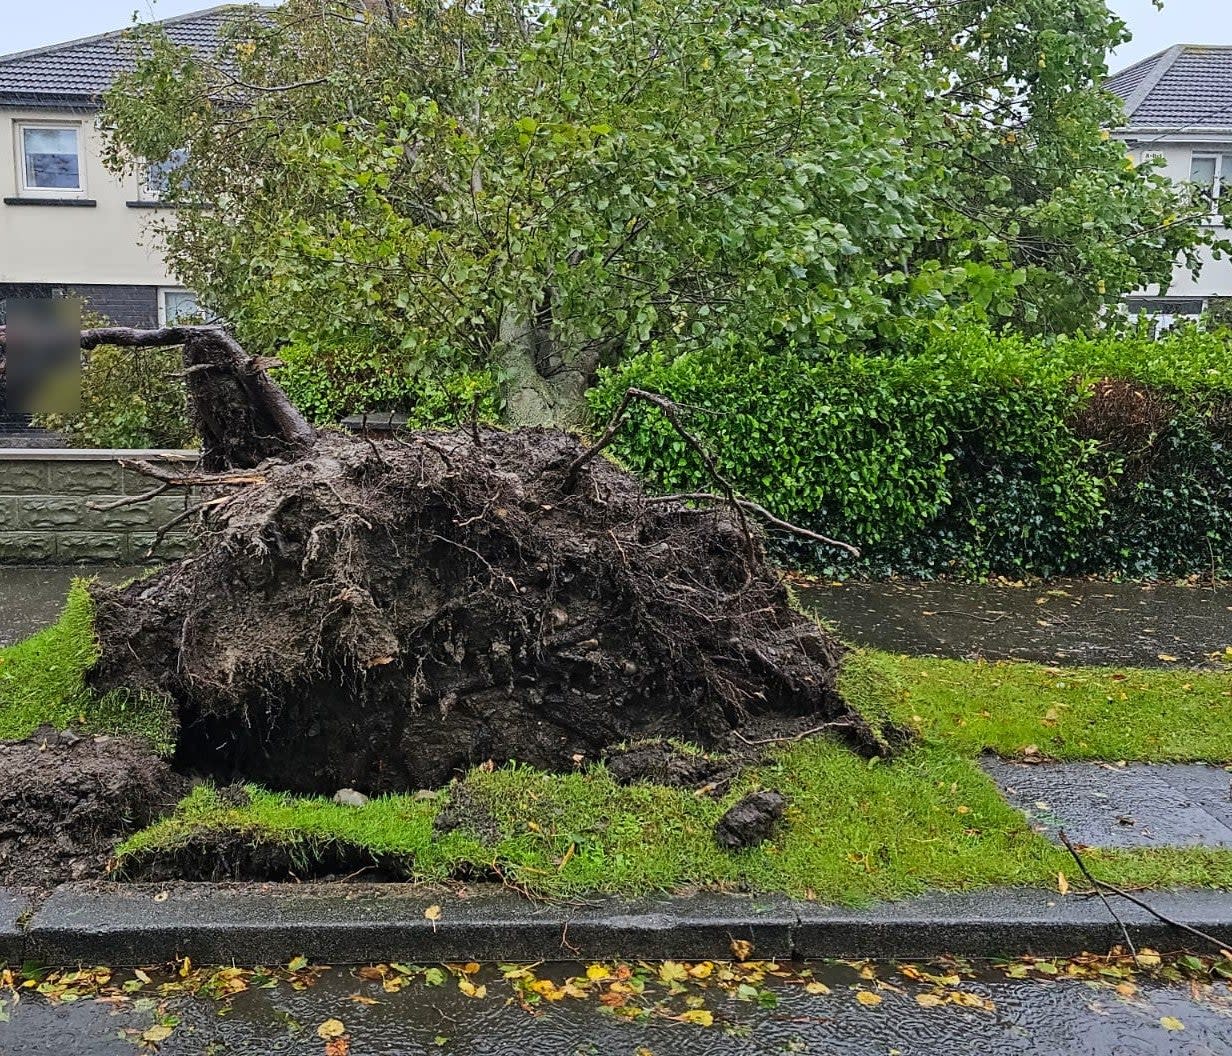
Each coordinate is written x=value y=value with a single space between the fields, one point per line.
x=68 y=225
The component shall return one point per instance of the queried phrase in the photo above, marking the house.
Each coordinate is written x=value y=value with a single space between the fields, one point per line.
x=1178 y=107
x=68 y=225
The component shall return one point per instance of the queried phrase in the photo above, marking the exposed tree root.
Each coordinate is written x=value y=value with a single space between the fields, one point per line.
x=384 y=615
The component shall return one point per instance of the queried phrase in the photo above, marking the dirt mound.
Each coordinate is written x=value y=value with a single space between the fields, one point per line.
x=66 y=801
x=385 y=615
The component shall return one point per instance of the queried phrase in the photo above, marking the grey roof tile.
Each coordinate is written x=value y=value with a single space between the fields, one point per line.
x=83 y=69
x=1189 y=86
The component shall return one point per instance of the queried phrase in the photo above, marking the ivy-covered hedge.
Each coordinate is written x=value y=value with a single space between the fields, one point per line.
x=966 y=454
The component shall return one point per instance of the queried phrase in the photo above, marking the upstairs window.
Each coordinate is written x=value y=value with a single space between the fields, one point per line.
x=1213 y=173
x=50 y=159
x=159 y=177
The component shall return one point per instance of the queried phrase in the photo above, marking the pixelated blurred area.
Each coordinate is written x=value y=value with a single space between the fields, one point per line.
x=42 y=363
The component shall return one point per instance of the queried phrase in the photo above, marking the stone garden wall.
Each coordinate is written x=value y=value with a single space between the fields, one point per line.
x=45 y=517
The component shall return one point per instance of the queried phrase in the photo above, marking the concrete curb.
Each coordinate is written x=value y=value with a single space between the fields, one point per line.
x=142 y=924
x=14 y=909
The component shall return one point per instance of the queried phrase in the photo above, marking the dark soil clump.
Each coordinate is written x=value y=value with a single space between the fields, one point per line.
x=386 y=615
x=750 y=821
x=67 y=800
x=661 y=764
x=467 y=812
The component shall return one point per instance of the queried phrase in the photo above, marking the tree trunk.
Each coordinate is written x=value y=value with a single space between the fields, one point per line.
x=542 y=385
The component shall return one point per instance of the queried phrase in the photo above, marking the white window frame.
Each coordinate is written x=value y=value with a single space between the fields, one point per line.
x=1223 y=180
x=25 y=190
x=147 y=191
x=162 y=301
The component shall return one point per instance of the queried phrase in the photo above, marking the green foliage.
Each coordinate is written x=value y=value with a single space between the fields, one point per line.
x=130 y=397
x=534 y=190
x=42 y=683
x=855 y=831
x=965 y=453
x=329 y=385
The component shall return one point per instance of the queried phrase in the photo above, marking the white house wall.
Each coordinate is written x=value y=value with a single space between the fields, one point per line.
x=109 y=244
x=1215 y=279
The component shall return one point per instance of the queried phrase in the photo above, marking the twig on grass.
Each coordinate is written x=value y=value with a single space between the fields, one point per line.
x=1103 y=885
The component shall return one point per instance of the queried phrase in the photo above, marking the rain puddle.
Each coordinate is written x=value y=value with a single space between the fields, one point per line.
x=1061 y=622
x=831 y=1009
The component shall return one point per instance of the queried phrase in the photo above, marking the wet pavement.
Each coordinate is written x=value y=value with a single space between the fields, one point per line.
x=32 y=598
x=832 y=1012
x=1110 y=805
x=1062 y=622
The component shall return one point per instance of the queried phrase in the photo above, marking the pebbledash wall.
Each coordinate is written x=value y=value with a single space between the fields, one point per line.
x=45 y=506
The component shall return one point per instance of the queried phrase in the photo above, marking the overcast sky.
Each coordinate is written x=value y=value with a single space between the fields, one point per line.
x=32 y=24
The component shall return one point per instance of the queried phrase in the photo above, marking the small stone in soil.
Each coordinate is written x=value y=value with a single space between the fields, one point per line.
x=348 y=797
x=750 y=821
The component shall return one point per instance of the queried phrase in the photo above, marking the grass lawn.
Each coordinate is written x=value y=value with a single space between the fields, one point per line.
x=856 y=831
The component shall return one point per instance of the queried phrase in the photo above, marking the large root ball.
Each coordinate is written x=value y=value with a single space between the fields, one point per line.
x=385 y=615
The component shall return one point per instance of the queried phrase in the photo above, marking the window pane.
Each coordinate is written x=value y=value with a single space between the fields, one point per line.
x=158 y=174
x=1202 y=172
x=51 y=158
x=180 y=306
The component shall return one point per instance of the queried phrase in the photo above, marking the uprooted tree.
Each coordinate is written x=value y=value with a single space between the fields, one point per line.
x=387 y=613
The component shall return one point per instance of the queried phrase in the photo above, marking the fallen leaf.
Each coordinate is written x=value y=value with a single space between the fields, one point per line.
x=297 y=964
x=471 y=990
x=362 y=999
x=1171 y=1023
x=156 y=1035
x=868 y=998
x=700 y=1017
x=185 y=967
x=673 y=972
x=929 y=1000
x=338 y=1046
x=1167 y=658
x=331 y=1028
x=1062 y=884
x=433 y=913
x=741 y=949
x=1148 y=958
x=142 y=976
x=816 y=988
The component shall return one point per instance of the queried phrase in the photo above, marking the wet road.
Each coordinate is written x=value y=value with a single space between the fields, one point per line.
x=1062 y=622
x=31 y=598
x=341 y=1014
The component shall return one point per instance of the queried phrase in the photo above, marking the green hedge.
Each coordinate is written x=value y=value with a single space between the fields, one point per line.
x=966 y=454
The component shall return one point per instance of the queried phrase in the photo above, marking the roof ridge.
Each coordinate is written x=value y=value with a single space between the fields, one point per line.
x=1165 y=60
x=47 y=49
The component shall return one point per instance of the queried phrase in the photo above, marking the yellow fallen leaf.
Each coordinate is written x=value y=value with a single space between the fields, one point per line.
x=185 y=967
x=741 y=949
x=1148 y=958
x=362 y=999
x=156 y=1035
x=142 y=976
x=816 y=988
x=699 y=1017
x=868 y=998
x=1168 y=658
x=1171 y=1023
x=702 y=970
x=331 y=1028
x=433 y=913
x=471 y=990
x=297 y=964
x=595 y=972
x=1062 y=884
x=673 y=972
x=929 y=1000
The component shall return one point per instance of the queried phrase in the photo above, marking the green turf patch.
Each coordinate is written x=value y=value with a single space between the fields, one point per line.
x=42 y=683
x=1064 y=713
x=856 y=830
